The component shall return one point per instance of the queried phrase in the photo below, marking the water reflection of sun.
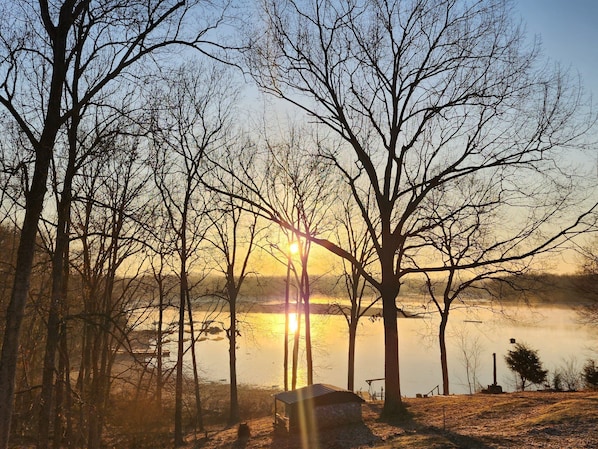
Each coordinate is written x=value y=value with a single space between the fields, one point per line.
x=293 y=323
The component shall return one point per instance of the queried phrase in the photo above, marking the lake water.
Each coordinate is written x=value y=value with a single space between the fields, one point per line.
x=554 y=332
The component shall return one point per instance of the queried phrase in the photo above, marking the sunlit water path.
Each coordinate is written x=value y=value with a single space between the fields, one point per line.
x=555 y=332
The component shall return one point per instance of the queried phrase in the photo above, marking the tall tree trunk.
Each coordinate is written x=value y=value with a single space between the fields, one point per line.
x=20 y=291
x=52 y=341
x=63 y=414
x=101 y=379
x=178 y=405
x=296 y=346
x=389 y=291
x=63 y=389
x=392 y=399
x=286 y=326
x=198 y=412
x=57 y=296
x=308 y=348
x=100 y=386
x=443 y=356
x=351 y=354
x=59 y=401
x=233 y=417
x=160 y=344
x=34 y=201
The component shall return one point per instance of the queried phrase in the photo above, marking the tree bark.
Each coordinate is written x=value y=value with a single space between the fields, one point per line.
x=389 y=289
x=286 y=326
x=198 y=412
x=178 y=405
x=308 y=348
x=233 y=417
x=57 y=296
x=296 y=346
x=33 y=208
x=351 y=355
x=159 y=342
x=392 y=399
x=20 y=291
x=443 y=355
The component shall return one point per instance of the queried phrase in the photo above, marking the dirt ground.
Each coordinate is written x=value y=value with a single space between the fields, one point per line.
x=512 y=420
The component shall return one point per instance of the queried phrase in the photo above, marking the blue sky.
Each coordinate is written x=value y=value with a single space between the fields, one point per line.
x=569 y=33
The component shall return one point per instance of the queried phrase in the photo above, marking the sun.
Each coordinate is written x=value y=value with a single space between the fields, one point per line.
x=294 y=248
x=293 y=323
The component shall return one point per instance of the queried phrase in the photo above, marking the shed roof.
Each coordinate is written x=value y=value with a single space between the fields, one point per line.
x=317 y=391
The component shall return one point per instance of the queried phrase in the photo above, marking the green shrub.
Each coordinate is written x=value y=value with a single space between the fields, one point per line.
x=526 y=363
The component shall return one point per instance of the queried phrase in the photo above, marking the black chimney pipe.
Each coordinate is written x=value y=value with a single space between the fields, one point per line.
x=494 y=361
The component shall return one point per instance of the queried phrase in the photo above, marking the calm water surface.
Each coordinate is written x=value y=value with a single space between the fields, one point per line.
x=478 y=333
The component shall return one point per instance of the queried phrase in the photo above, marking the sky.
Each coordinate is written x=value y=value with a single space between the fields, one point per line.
x=568 y=30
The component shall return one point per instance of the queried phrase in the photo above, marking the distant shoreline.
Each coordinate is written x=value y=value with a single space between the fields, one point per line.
x=316 y=308
x=320 y=308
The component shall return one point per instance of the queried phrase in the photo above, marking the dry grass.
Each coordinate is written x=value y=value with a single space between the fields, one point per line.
x=566 y=412
x=137 y=423
x=515 y=420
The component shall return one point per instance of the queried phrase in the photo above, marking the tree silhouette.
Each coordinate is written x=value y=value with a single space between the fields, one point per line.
x=526 y=363
x=414 y=98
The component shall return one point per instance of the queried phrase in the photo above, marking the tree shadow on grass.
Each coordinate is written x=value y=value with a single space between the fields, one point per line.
x=413 y=433
x=241 y=443
x=464 y=441
x=402 y=418
x=443 y=437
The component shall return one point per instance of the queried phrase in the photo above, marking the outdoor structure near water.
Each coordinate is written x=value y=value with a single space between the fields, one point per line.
x=316 y=406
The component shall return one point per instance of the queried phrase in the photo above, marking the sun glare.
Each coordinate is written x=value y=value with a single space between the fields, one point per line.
x=293 y=324
x=294 y=248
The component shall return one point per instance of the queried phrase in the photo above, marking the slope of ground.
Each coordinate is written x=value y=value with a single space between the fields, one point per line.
x=514 y=420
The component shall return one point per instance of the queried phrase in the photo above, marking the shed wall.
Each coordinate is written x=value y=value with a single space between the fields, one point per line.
x=323 y=416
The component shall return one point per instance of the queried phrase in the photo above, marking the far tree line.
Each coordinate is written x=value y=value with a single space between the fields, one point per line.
x=436 y=146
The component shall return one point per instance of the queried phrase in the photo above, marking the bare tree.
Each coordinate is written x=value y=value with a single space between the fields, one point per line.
x=160 y=253
x=234 y=237
x=358 y=243
x=301 y=189
x=107 y=222
x=191 y=117
x=464 y=228
x=289 y=186
x=421 y=94
x=39 y=44
x=568 y=374
x=470 y=350
x=82 y=140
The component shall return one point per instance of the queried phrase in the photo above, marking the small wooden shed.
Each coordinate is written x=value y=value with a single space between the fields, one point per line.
x=316 y=406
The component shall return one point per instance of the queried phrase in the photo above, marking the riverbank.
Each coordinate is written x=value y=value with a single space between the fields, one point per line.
x=512 y=420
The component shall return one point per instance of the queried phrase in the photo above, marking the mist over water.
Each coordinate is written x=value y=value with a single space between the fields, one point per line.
x=473 y=334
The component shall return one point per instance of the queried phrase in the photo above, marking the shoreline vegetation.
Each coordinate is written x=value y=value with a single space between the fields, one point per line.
x=266 y=294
